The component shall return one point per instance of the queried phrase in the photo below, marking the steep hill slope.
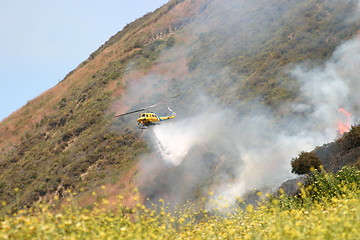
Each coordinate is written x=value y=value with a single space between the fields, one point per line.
x=237 y=55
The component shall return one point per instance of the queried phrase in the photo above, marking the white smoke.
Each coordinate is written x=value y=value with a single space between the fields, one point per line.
x=257 y=151
x=331 y=86
x=218 y=147
x=258 y=145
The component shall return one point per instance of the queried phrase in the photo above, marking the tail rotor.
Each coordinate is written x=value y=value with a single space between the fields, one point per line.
x=174 y=113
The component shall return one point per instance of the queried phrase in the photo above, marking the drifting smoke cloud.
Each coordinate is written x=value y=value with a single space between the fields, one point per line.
x=237 y=153
x=210 y=144
x=258 y=146
x=265 y=160
x=332 y=86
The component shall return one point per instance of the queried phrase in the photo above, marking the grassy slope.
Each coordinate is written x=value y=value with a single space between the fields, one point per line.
x=62 y=139
x=65 y=138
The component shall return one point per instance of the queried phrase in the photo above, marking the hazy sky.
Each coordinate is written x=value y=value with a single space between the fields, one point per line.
x=42 y=40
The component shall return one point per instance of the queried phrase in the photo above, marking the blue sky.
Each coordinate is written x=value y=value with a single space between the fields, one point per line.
x=42 y=40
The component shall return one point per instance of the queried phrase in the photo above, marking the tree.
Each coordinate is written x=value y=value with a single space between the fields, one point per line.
x=303 y=163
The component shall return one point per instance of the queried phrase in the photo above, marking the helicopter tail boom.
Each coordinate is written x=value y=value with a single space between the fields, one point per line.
x=168 y=117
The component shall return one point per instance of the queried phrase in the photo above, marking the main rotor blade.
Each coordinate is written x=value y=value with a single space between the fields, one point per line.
x=139 y=110
x=145 y=108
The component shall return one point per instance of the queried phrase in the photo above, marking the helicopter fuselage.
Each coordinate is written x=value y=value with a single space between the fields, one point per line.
x=149 y=118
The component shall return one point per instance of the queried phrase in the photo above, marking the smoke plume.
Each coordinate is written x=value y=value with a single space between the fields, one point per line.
x=210 y=145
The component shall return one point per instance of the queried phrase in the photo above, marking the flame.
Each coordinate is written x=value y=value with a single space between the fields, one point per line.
x=345 y=124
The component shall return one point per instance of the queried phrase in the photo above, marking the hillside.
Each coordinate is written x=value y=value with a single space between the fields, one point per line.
x=248 y=63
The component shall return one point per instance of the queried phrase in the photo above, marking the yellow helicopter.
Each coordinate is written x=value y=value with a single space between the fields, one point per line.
x=149 y=118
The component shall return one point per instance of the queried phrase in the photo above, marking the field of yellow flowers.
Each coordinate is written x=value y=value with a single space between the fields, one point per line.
x=328 y=207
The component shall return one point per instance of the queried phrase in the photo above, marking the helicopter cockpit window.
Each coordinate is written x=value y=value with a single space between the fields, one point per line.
x=143 y=115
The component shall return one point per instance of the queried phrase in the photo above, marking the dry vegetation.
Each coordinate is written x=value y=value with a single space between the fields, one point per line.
x=63 y=134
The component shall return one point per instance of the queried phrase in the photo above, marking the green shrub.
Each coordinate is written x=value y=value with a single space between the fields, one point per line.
x=322 y=188
x=322 y=185
x=170 y=42
x=305 y=162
